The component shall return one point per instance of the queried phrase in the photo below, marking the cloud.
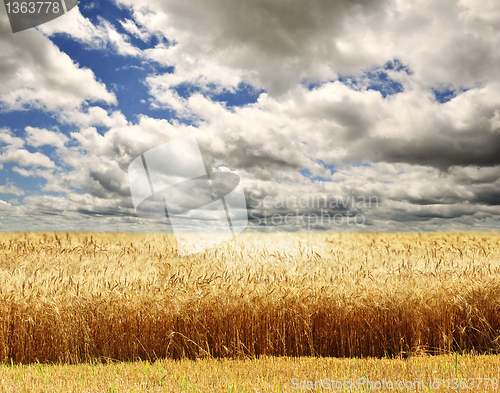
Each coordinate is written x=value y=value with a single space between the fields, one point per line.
x=340 y=125
x=102 y=36
x=275 y=44
x=7 y=138
x=37 y=137
x=272 y=43
x=78 y=27
x=141 y=33
x=25 y=158
x=35 y=73
x=93 y=116
x=11 y=189
x=118 y=41
x=13 y=151
x=351 y=105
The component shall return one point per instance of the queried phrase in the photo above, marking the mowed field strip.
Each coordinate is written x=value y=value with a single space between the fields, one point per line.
x=263 y=375
x=73 y=298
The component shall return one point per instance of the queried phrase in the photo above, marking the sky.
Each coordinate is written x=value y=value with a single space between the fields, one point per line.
x=339 y=115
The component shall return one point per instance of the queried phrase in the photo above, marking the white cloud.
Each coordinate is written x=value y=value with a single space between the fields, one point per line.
x=101 y=36
x=7 y=138
x=93 y=116
x=208 y=75
x=78 y=27
x=11 y=189
x=119 y=41
x=25 y=158
x=34 y=72
x=13 y=151
x=133 y=29
x=37 y=137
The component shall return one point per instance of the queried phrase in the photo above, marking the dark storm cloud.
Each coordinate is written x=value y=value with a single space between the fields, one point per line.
x=488 y=196
x=441 y=151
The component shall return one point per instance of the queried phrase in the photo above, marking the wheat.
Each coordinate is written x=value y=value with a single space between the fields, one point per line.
x=82 y=297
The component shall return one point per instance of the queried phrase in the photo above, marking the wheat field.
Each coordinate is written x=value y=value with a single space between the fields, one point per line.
x=88 y=297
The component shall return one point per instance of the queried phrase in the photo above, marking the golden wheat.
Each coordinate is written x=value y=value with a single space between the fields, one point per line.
x=82 y=297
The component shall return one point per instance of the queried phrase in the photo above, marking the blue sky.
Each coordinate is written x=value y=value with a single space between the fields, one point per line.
x=322 y=99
